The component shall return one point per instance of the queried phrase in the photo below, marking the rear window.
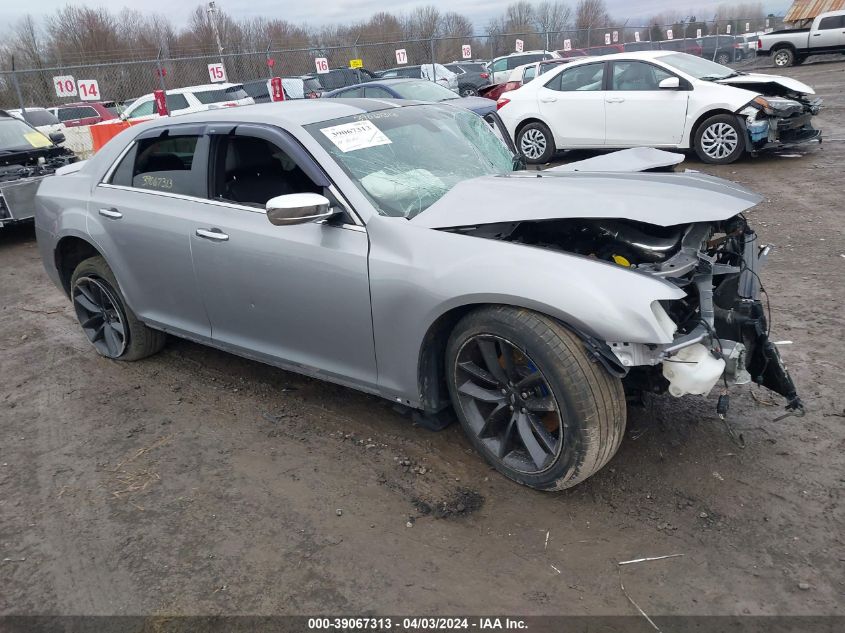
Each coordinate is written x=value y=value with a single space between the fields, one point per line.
x=519 y=60
x=39 y=117
x=221 y=96
x=160 y=164
x=312 y=84
x=77 y=112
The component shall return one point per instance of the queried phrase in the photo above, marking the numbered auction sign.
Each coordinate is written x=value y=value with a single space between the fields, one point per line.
x=520 y=46
x=747 y=27
x=607 y=38
x=567 y=46
x=698 y=32
x=401 y=56
x=216 y=72
x=466 y=51
x=65 y=85
x=322 y=65
x=729 y=29
x=637 y=36
x=89 y=89
x=670 y=35
x=616 y=37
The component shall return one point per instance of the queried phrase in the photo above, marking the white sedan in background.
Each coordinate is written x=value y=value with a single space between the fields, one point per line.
x=657 y=99
x=189 y=100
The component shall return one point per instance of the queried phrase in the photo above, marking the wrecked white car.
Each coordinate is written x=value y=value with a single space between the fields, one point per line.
x=400 y=249
x=658 y=99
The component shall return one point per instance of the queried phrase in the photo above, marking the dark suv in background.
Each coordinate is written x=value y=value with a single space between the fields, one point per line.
x=317 y=84
x=472 y=76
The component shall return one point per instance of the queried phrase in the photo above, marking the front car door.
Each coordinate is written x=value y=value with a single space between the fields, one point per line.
x=638 y=111
x=295 y=296
x=573 y=104
x=141 y=216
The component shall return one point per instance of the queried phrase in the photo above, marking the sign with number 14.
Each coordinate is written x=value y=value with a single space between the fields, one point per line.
x=89 y=89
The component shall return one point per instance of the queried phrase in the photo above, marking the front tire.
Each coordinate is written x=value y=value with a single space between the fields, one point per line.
x=536 y=143
x=111 y=327
x=723 y=58
x=529 y=398
x=468 y=91
x=719 y=140
x=783 y=57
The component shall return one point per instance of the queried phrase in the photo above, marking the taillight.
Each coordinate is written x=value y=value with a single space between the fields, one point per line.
x=502 y=102
x=312 y=95
x=760 y=43
x=484 y=75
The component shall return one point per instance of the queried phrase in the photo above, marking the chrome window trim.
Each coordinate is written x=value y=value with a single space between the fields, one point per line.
x=221 y=203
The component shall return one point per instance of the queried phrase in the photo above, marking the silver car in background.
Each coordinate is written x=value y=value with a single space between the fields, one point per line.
x=399 y=249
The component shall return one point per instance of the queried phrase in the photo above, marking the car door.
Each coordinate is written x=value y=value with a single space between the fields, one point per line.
x=638 y=111
x=573 y=104
x=830 y=34
x=297 y=296
x=141 y=217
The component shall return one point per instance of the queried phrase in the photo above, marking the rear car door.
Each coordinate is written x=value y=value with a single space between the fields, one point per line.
x=830 y=34
x=141 y=217
x=573 y=104
x=297 y=294
x=638 y=111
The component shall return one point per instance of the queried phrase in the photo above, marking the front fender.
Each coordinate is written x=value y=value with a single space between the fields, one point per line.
x=417 y=275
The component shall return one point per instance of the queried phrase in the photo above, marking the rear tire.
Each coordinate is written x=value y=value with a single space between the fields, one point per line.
x=783 y=57
x=111 y=327
x=531 y=400
x=536 y=143
x=723 y=58
x=720 y=140
x=468 y=91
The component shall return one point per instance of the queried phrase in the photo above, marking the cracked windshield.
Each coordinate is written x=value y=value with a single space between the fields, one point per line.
x=405 y=159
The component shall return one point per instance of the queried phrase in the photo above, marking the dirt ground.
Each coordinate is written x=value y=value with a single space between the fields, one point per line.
x=196 y=482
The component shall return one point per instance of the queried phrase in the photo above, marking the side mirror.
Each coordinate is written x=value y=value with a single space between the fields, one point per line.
x=57 y=137
x=298 y=208
x=670 y=83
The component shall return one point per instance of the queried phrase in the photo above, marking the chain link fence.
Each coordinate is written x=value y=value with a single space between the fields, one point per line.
x=729 y=41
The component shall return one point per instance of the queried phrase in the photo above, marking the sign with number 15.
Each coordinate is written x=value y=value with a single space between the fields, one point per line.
x=216 y=72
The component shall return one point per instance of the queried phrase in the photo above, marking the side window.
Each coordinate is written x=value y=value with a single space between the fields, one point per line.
x=377 y=92
x=499 y=65
x=829 y=23
x=588 y=77
x=145 y=109
x=251 y=171
x=176 y=102
x=637 y=76
x=351 y=93
x=529 y=74
x=161 y=164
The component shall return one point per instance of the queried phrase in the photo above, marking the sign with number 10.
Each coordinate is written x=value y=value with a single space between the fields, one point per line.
x=65 y=85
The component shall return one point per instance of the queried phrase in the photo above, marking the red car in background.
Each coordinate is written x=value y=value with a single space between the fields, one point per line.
x=519 y=76
x=85 y=112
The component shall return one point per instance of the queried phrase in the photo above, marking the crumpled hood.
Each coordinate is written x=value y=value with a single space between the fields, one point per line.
x=759 y=80
x=660 y=199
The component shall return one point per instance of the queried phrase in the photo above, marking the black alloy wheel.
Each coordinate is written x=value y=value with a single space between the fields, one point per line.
x=508 y=404
x=100 y=316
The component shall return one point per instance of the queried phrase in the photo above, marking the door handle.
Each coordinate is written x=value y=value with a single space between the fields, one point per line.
x=113 y=214
x=216 y=235
x=816 y=34
x=615 y=100
x=548 y=99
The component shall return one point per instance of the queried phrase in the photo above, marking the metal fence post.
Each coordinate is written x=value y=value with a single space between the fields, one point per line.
x=433 y=61
x=17 y=87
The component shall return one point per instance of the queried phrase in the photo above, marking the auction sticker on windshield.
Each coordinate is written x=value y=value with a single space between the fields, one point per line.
x=357 y=135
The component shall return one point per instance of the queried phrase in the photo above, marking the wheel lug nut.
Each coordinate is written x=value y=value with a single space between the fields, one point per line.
x=523 y=410
x=511 y=407
x=504 y=392
x=524 y=395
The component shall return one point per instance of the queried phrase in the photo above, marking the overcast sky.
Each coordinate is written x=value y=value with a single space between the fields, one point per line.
x=318 y=12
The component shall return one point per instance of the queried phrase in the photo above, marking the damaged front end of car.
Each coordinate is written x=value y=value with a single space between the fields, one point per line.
x=719 y=331
x=780 y=120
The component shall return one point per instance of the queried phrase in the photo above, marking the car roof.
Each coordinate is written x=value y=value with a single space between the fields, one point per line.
x=296 y=112
x=376 y=83
x=630 y=56
x=10 y=110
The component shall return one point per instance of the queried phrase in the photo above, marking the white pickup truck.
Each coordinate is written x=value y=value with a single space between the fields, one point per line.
x=792 y=46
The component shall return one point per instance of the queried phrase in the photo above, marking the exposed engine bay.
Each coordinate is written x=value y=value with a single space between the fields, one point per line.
x=720 y=329
x=20 y=173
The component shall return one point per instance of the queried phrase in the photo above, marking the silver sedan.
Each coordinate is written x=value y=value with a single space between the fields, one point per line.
x=401 y=249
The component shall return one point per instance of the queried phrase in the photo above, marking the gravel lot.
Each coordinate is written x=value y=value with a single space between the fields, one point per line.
x=196 y=482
